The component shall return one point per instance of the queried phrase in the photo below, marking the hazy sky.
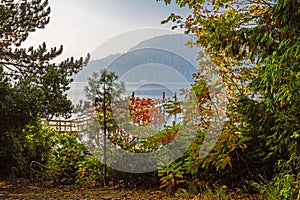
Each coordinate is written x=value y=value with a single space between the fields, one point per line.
x=82 y=25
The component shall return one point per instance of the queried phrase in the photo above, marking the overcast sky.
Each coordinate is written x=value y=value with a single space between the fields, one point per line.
x=82 y=25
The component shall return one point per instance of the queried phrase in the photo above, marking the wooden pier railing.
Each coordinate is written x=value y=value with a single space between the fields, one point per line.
x=78 y=125
x=72 y=126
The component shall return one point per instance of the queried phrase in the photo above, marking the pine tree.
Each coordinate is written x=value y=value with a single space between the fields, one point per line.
x=32 y=84
x=107 y=89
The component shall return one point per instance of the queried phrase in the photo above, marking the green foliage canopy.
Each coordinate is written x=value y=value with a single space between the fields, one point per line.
x=255 y=47
x=30 y=84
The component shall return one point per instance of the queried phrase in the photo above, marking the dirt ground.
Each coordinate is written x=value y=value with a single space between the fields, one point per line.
x=25 y=189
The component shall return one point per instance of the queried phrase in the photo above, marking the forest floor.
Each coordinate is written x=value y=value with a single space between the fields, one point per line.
x=25 y=189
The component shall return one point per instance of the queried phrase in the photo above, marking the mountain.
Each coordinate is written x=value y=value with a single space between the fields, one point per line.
x=94 y=66
x=147 y=57
x=169 y=50
x=162 y=63
x=175 y=43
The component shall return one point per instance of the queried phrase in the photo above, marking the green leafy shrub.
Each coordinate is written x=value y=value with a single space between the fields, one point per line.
x=70 y=164
x=39 y=141
x=66 y=153
x=171 y=177
x=285 y=184
x=11 y=158
x=88 y=172
x=287 y=181
x=20 y=147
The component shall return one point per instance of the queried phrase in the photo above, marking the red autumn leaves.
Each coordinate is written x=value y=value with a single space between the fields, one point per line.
x=143 y=111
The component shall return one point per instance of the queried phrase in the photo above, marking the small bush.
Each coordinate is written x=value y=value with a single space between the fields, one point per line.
x=21 y=146
x=88 y=172
x=70 y=165
x=284 y=185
